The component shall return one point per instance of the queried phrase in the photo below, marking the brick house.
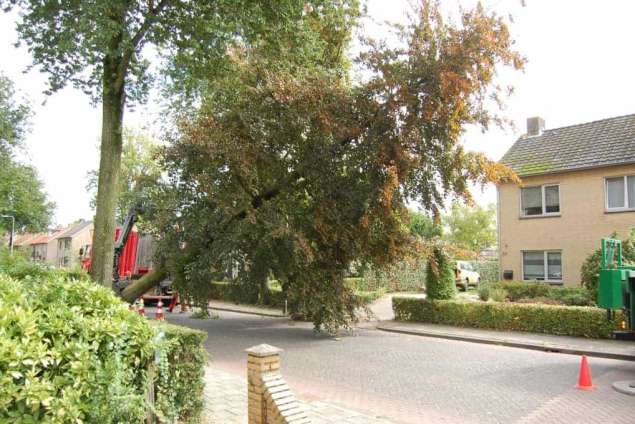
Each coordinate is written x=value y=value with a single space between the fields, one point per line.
x=578 y=185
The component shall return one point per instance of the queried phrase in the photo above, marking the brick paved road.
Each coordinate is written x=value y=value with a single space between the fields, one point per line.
x=413 y=379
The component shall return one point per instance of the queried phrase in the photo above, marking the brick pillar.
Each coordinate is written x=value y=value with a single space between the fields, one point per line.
x=261 y=360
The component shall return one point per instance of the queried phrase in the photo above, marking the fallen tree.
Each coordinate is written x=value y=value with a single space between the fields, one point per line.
x=299 y=173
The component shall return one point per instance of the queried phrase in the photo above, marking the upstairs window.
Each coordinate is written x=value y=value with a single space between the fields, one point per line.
x=540 y=200
x=620 y=193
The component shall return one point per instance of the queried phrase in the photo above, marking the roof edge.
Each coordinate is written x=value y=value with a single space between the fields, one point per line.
x=582 y=168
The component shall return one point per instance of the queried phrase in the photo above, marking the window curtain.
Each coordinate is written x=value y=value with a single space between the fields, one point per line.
x=615 y=192
x=531 y=199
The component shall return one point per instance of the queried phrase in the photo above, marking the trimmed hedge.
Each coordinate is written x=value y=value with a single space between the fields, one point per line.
x=180 y=382
x=559 y=320
x=71 y=351
x=517 y=290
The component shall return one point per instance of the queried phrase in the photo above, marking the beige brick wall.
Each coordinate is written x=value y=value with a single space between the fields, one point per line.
x=583 y=220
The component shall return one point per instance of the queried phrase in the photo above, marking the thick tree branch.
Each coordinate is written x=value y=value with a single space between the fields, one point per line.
x=136 y=39
x=138 y=287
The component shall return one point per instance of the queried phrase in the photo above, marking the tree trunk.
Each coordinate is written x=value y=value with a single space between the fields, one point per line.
x=138 y=287
x=108 y=183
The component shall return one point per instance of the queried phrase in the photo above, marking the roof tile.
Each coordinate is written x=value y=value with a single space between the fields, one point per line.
x=593 y=144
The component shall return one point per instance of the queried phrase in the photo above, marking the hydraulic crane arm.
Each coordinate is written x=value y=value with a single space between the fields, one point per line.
x=120 y=243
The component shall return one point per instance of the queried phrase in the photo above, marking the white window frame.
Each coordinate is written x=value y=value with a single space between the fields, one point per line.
x=624 y=208
x=543 y=201
x=545 y=265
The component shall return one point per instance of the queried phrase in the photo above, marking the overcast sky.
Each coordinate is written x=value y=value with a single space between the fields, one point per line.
x=581 y=68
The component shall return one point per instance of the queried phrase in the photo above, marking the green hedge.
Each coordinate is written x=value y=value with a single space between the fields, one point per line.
x=560 y=320
x=71 y=351
x=517 y=290
x=180 y=381
x=222 y=290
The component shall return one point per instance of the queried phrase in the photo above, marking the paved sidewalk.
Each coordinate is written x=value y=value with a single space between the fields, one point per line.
x=226 y=403
x=382 y=307
x=611 y=349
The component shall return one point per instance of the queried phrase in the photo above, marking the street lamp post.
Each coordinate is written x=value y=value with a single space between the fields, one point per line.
x=12 y=231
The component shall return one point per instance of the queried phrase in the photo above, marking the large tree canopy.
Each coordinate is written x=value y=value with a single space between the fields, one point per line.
x=298 y=174
x=21 y=191
x=98 y=47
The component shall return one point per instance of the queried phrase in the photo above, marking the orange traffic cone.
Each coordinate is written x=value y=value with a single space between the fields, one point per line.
x=584 y=382
x=142 y=310
x=159 y=316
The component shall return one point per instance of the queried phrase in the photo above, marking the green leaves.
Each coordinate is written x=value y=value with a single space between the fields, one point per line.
x=21 y=191
x=472 y=228
x=70 y=351
x=14 y=116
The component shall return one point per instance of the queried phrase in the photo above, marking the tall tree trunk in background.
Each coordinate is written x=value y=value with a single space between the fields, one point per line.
x=109 y=166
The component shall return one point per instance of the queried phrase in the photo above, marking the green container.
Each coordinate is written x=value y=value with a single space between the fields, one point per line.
x=610 y=290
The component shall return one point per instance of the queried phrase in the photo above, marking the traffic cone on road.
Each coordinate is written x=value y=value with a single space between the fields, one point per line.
x=142 y=310
x=584 y=382
x=159 y=315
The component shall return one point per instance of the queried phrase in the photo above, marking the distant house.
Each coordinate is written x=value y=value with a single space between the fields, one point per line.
x=43 y=248
x=22 y=241
x=578 y=185
x=70 y=241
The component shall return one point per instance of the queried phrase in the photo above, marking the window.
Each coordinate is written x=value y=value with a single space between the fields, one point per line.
x=466 y=266
x=542 y=265
x=620 y=193
x=540 y=200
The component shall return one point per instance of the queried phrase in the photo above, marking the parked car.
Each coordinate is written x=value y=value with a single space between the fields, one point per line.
x=466 y=275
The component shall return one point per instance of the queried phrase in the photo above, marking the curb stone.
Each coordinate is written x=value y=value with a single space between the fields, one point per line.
x=545 y=347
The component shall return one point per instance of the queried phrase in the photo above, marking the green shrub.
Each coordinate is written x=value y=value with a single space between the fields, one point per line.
x=70 y=351
x=522 y=290
x=541 y=300
x=516 y=290
x=440 y=280
x=406 y=275
x=180 y=382
x=498 y=294
x=484 y=292
x=590 y=270
x=573 y=296
x=488 y=270
x=18 y=266
x=548 y=319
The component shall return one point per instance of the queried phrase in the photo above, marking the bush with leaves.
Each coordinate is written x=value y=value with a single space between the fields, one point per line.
x=590 y=270
x=515 y=291
x=440 y=278
x=70 y=351
x=484 y=292
x=536 y=318
x=408 y=274
x=180 y=380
